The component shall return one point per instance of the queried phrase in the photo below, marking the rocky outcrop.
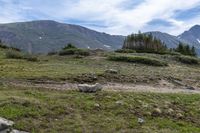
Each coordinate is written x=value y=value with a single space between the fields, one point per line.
x=6 y=126
x=90 y=88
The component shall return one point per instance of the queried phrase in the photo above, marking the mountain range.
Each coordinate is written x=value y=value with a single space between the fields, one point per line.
x=45 y=36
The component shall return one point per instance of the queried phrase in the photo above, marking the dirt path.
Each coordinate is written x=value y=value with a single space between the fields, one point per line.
x=161 y=87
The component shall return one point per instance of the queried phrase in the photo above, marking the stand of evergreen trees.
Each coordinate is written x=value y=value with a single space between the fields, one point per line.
x=148 y=44
x=185 y=49
x=143 y=43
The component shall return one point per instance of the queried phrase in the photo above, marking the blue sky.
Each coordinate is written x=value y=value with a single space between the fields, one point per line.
x=111 y=16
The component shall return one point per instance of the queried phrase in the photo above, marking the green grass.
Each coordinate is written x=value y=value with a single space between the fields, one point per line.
x=68 y=67
x=137 y=59
x=188 y=60
x=40 y=110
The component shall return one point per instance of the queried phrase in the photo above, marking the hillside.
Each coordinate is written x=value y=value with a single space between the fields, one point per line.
x=169 y=40
x=42 y=95
x=47 y=36
x=192 y=37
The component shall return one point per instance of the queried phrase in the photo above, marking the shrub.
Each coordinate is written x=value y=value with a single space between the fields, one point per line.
x=52 y=53
x=186 y=49
x=137 y=59
x=67 y=52
x=13 y=55
x=6 y=47
x=18 y=55
x=3 y=46
x=82 y=52
x=74 y=51
x=188 y=60
x=69 y=46
x=29 y=57
x=125 y=51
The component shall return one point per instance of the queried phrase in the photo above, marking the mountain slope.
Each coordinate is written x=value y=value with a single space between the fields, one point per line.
x=46 y=36
x=169 y=40
x=192 y=37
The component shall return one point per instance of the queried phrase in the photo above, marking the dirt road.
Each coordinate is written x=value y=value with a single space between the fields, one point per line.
x=161 y=87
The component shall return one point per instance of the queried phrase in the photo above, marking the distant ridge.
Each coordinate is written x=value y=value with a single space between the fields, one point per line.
x=46 y=36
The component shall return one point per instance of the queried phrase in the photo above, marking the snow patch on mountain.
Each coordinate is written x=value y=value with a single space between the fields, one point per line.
x=107 y=46
x=198 y=40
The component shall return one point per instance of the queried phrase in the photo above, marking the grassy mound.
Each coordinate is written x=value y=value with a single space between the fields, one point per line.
x=188 y=60
x=137 y=59
x=11 y=54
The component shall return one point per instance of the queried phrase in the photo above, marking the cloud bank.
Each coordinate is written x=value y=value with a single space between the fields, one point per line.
x=113 y=16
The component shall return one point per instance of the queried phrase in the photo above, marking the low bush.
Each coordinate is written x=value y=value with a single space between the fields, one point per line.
x=74 y=51
x=6 y=47
x=13 y=55
x=188 y=60
x=52 y=53
x=3 y=46
x=70 y=46
x=29 y=57
x=137 y=59
x=18 y=55
x=125 y=51
x=82 y=52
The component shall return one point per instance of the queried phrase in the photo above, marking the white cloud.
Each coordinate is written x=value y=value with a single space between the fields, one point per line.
x=118 y=20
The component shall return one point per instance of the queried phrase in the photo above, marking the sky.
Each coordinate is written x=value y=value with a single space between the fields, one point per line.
x=120 y=17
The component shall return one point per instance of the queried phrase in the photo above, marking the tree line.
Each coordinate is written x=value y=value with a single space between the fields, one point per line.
x=185 y=49
x=143 y=42
x=147 y=43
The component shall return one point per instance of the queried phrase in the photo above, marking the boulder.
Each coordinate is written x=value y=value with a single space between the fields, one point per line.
x=156 y=112
x=97 y=105
x=170 y=111
x=141 y=120
x=90 y=88
x=111 y=71
x=5 y=124
x=12 y=131
x=119 y=102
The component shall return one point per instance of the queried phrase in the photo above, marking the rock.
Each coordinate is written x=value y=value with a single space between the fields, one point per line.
x=179 y=115
x=17 y=131
x=190 y=88
x=12 y=131
x=5 y=124
x=141 y=121
x=112 y=71
x=178 y=82
x=119 y=102
x=156 y=112
x=170 y=111
x=97 y=105
x=90 y=88
x=148 y=113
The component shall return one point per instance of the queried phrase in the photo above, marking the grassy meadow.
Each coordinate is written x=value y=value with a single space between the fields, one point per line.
x=40 y=110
